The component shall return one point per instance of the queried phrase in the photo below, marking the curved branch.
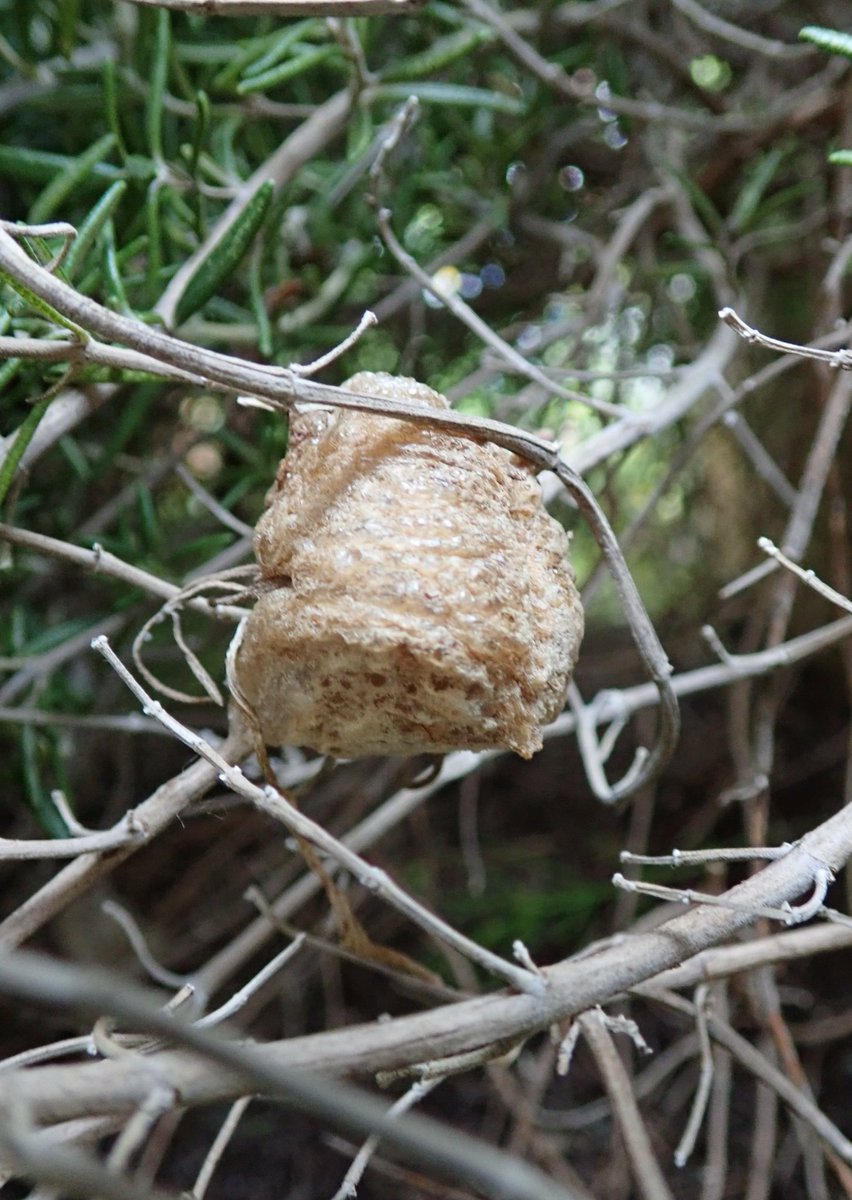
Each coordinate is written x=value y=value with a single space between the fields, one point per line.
x=642 y=629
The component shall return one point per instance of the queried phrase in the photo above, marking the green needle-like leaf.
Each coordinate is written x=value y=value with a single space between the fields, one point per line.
x=215 y=269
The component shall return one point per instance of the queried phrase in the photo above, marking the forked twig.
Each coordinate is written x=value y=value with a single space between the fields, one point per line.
x=790 y=914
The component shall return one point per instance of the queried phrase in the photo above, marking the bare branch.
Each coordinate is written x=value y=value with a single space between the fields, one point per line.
x=100 y=561
x=686 y=1145
x=43 y=981
x=841 y=359
x=208 y=1167
x=789 y=914
x=124 y=834
x=349 y=1186
x=646 y=1170
x=62 y=1093
x=756 y=1063
x=153 y=815
x=738 y=36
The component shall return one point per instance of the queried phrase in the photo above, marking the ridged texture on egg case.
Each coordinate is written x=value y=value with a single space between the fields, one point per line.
x=421 y=598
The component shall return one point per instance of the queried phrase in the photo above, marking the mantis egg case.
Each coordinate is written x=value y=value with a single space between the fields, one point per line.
x=416 y=595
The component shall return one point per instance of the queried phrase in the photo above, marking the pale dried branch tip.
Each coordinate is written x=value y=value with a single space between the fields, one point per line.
x=123 y=834
x=616 y=1024
x=220 y=1142
x=367 y=321
x=245 y=993
x=835 y=358
x=683 y=858
x=566 y=1049
x=808 y=577
x=349 y=1186
x=157 y=972
x=790 y=914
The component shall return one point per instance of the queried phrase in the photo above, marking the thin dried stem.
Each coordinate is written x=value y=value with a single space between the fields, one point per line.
x=245 y=993
x=152 y=816
x=287 y=8
x=103 y=562
x=159 y=1101
x=155 y=970
x=790 y=914
x=719 y=1113
x=686 y=1145
x=841 y=359
x=737 y=36
x=646 y=1170
x=809 y=578
x=220 y=1144
x=125 y=834
x=664 y=1064
x=756 y=1064
x=689 y=858
x=349 y=1186
x=510 y=357
x=70 y=1170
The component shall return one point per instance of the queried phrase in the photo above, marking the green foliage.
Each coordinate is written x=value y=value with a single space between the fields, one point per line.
x=833 y=41
x=25 y=433
x=557 y=911
x=830 y=40
x=759 y=178
x=224 y=258
x=41 y=761
x=70 y=180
